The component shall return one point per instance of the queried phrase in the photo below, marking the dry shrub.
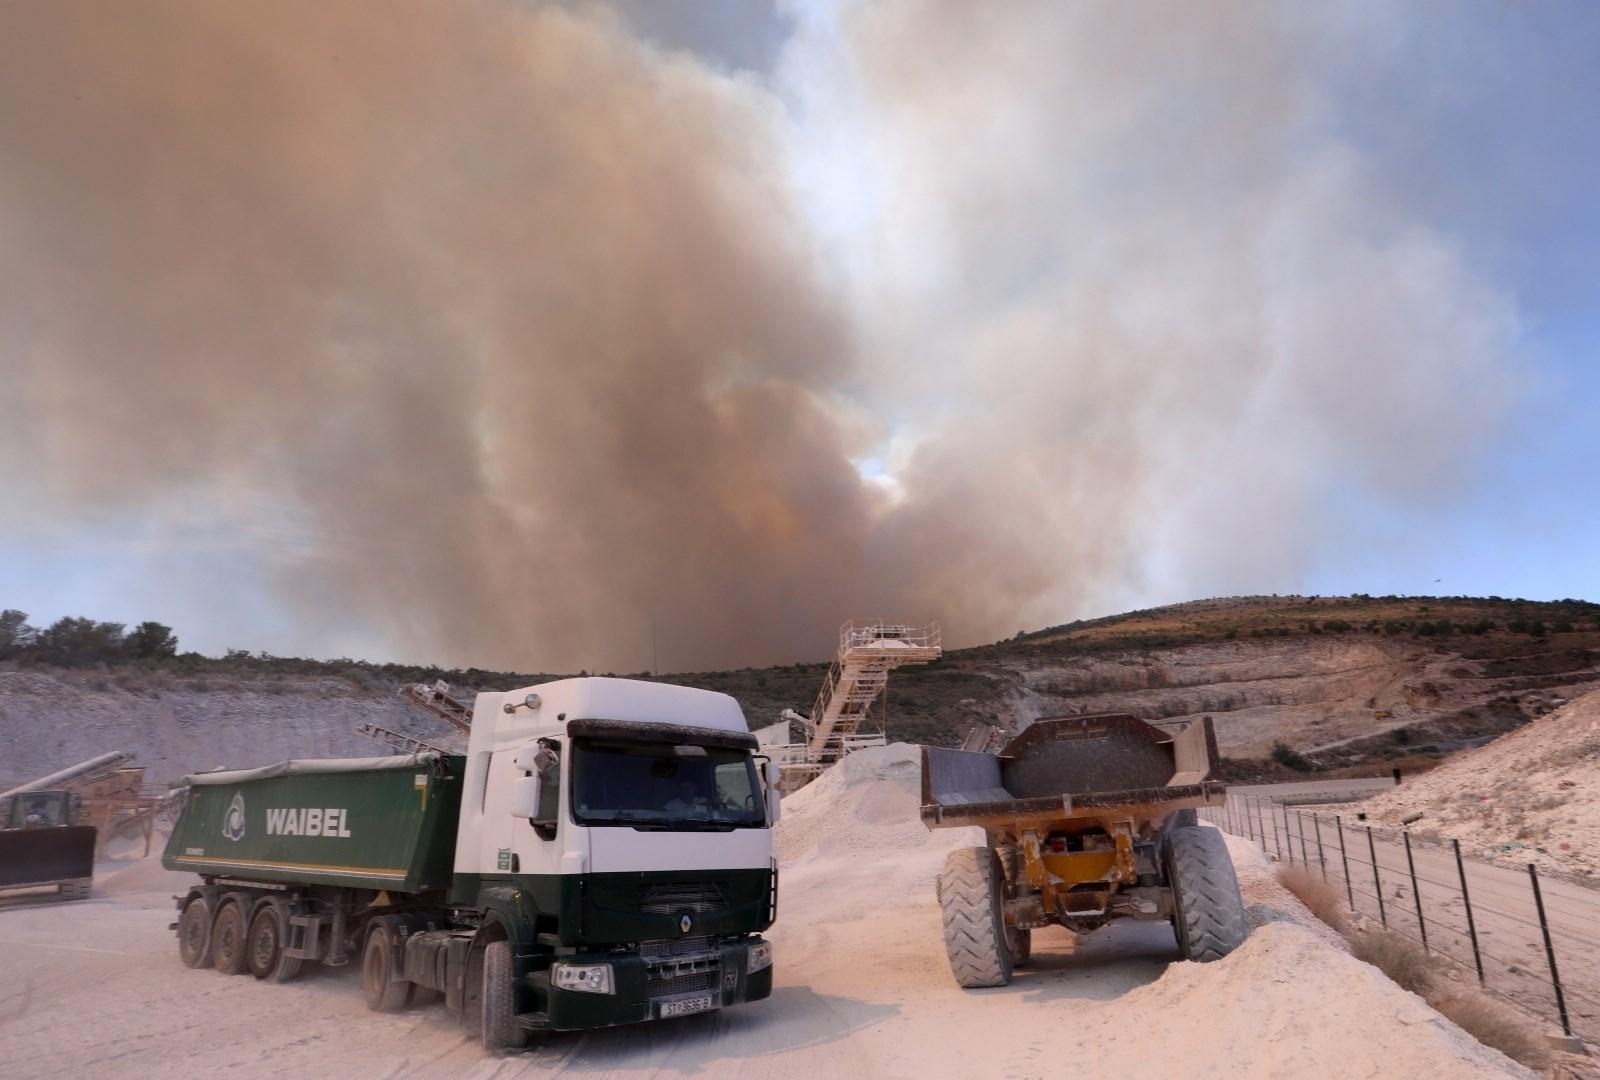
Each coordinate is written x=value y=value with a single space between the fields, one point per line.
x=1323 y=899
x=1397 y=957
x=1496 y=1025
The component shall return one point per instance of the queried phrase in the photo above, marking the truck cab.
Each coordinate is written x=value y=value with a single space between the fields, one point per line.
x=617 y=835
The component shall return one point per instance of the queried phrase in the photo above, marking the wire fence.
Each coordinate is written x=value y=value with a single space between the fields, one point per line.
x=1530 y=939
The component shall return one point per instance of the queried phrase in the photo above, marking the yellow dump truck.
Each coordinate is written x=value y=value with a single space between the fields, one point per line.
x=1087 y=819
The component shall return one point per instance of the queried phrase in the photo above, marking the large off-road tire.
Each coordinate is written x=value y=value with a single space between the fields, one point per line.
x=971 y=898
x=384 y=992
x=499 y=1029
x=264 y=947
x=1209 y=913
x=228 y=954
x=1183 y=819
x=194 y=933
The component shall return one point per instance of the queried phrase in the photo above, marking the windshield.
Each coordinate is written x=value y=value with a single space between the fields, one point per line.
x=664 y=786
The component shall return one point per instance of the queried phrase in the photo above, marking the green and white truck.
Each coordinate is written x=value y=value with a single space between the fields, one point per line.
x=602 y=854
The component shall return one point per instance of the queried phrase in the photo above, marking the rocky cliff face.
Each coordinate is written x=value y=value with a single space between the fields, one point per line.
x=51 y=720
x=1343 y=680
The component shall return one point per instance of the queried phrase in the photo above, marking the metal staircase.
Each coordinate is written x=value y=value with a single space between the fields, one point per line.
x=852 y=695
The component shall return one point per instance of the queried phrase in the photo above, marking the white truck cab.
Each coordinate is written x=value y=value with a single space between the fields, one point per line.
x=619 y=834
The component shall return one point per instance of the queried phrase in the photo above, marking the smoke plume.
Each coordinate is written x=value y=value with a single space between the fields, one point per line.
x=522 y=340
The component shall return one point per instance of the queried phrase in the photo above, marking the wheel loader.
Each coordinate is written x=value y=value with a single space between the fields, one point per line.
x=1087 y=819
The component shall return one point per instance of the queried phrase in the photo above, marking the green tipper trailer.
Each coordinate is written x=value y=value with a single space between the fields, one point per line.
x=602 y=854
x=379 y=823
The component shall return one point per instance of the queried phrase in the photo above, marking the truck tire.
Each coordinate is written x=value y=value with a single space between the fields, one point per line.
x=1183 y=819
x=228 y=953
x=269 y=934
x=970 y=899
x=384 y=992
x=500 y=1030
x=194 y=933
x=1208 y=913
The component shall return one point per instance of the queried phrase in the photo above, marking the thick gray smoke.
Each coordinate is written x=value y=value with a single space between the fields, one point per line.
x=513 y=336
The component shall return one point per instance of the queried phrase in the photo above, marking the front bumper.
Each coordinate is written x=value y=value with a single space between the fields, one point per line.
x=644 y=981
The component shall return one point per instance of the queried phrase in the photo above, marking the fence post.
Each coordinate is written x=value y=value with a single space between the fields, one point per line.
x=1416 y=893
x=1322 y=861
x=1277 y=837
x=1300 y=823
x=1288 y=836
x=1549 y=951
x=1261 y=826
x=1377 y=879
x=1338 y=823
x=1466 y=902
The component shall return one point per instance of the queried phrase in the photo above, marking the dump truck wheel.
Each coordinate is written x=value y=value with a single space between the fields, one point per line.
x=384 y=992
x=1209 y=913
x=970 y=897
x=500 y=1029
x=269 y=933
x=228 y=953
x=1183 y=819
x=194 y=933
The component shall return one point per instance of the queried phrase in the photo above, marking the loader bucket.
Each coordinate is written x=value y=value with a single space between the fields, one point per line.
x=46 y=856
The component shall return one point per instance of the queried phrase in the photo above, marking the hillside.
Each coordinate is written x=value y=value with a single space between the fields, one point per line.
x=1534 y=796
x=1351 y=681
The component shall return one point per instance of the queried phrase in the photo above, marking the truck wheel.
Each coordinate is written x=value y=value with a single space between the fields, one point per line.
x=1183 y=819
x=970 y=891
x=269 y=931
x=500 y=1028
x=384 y=992
x=194 y=933
x=228 y=952
x=1208 y=913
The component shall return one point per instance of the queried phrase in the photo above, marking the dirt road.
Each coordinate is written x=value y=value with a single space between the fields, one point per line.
x=862 y=989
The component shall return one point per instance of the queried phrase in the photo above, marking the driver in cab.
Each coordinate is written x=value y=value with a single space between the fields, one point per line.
x=689 y=798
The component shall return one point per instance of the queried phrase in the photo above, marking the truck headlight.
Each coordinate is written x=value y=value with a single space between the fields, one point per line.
x=584 y=978
x=759 y=958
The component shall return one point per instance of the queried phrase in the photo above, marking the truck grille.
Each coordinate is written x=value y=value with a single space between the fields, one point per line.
x=697 y=983
x=673 y=948
x=687 y=896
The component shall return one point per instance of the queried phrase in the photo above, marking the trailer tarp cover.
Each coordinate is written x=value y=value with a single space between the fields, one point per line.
x=311 y=767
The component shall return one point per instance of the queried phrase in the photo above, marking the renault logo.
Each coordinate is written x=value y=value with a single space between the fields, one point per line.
x=685 y=923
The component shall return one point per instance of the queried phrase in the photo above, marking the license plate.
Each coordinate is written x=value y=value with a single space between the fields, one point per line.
x=685 y=1006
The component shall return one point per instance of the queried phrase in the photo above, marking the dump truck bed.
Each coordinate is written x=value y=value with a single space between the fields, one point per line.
x=375 y=823
x=1073 y=767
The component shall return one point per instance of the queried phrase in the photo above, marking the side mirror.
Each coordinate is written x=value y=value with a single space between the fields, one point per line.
x=525 y=796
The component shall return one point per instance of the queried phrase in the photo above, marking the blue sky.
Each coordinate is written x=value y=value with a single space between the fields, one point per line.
x=1473 y=127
